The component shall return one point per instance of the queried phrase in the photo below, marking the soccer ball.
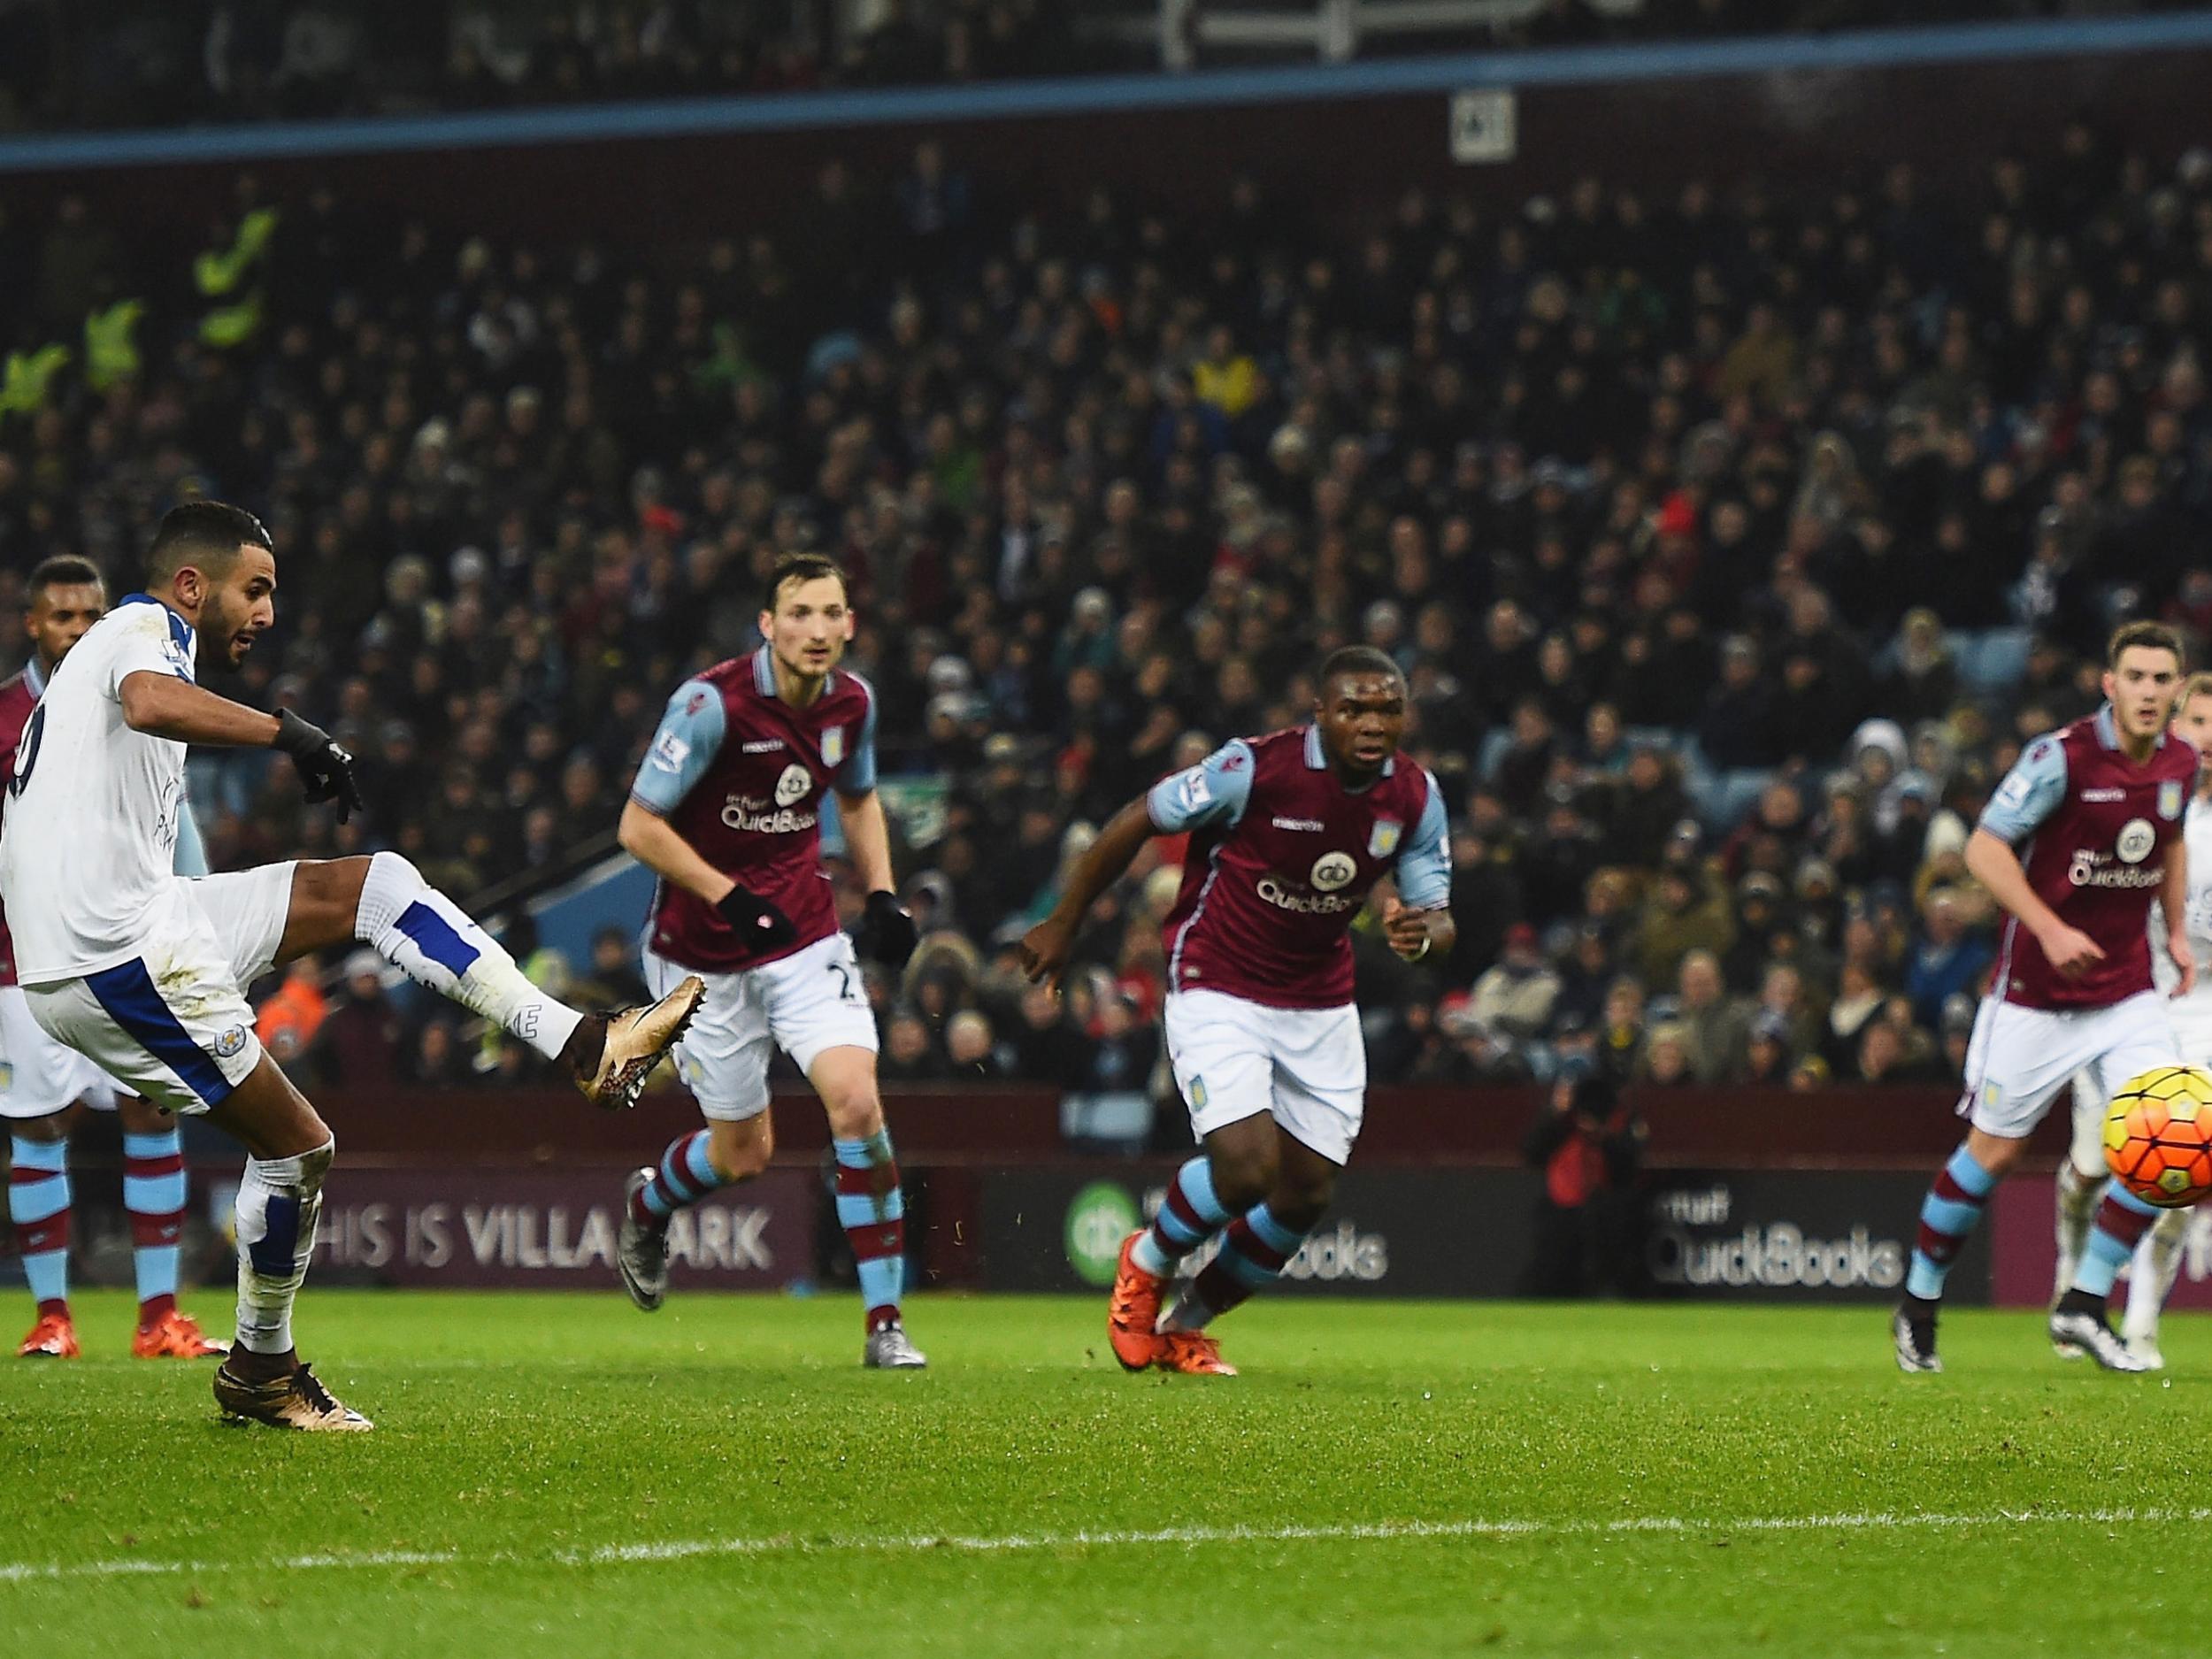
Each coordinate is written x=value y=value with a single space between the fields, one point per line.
x=2158 y=1135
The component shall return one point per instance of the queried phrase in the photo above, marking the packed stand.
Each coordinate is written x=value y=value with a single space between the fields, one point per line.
x=164 y=62
x=1731 y=545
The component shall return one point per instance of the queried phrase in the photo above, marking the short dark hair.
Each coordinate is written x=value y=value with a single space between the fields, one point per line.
x=804 y=567
x=2150 y=635
x=63 y=569
x=204 y=533
x=1356 y=660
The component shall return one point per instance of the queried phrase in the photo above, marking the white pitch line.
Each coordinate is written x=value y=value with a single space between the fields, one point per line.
x=1376 y=1531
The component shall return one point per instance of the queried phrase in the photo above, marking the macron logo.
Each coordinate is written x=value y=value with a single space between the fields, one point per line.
x=1312 y=824
x=2104 y=794
x=761 y=746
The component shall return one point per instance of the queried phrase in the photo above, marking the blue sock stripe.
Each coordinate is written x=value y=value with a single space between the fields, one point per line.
x=1947 y=1214
x=50 y=1156
x=1924 y=1277
x=154 y=1267
x=48 y=1274
x=38 y=1200
x=1197 y=1179
x=2102 y=1259
x=1969 y=1175
x=154 y=1194
x=675 y=1177
x=1247 y=1272
x=1273 y=1233
x=698 y=1166
x=863 y=1209
x=881 y=1281
x=436 y=939
x=167 y=1144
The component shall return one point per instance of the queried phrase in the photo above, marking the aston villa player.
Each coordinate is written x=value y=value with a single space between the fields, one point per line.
x=2083 y=832
x=1288 y=833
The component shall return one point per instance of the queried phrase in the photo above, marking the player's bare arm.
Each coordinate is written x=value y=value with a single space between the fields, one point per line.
x=2174 y=901
x=1993 y=863
x=1045 y=948
x=163 y=705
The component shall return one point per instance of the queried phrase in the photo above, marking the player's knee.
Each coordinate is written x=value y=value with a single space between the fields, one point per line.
x=42 y=1131
x=743 y=1151
x=1242 y=1178
x=1300 y=1198
x=315 y=1164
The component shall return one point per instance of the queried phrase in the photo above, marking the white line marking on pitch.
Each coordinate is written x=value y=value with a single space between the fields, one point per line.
x=686 y=1549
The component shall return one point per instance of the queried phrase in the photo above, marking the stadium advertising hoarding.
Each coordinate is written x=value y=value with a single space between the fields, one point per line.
x=1773 y=1235
x=2024 y=1244
x=552 y=1229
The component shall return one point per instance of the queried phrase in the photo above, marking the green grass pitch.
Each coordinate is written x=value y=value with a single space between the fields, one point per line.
x=1384 y=1480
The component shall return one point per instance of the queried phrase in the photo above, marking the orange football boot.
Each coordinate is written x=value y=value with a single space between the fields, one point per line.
x=1193 y=1353
x=175 y=1336
x=53 y=1337
x=1134 y=1310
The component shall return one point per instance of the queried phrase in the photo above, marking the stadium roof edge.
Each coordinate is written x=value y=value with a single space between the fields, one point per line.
x=683 y=117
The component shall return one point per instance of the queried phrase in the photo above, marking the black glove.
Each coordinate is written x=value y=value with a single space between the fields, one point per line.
x=325 y=767
x=887 y=932
x=760 y=925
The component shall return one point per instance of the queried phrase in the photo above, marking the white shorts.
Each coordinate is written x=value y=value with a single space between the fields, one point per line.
x=805 y=1003
x=173 y=1023
x=38 y=1077
x=1235 y=1059
x=2019 y=1058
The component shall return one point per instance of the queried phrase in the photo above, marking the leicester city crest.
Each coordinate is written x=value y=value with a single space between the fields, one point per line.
x=2170 y=799
x=1382 y=841
x=832 y=745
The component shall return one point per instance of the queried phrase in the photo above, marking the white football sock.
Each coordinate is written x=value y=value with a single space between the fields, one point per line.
x=2078 y=1195
x=278 y=1203
x=433 y=942
x=2151 y=1275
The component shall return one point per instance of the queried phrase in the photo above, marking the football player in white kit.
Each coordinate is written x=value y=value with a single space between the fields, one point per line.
x=144 y=971
x=2081 y=1177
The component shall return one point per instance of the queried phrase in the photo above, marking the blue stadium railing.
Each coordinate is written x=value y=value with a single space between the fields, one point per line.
x=1103 y=95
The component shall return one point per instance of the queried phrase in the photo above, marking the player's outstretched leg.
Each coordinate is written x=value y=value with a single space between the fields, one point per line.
x=289 y=1150
x=1948 y=1215
x=2150 y=1281
x=383 y=902
x=692 y=1166
x=153 y=1195
x=38 y=1204
x=2080 y=1318
x=1190 y=1214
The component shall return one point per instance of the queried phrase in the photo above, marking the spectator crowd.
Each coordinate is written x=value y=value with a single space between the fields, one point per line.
x=1732 y=543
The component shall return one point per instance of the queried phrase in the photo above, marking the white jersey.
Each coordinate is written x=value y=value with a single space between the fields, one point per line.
x=88 y=841
x=2196 y=835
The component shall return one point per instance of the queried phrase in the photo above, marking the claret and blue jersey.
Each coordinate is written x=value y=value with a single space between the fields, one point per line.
x=1282 y=858
x=740 y=774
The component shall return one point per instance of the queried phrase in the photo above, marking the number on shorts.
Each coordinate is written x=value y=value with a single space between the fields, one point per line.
x=846 y=993
x=27 y=751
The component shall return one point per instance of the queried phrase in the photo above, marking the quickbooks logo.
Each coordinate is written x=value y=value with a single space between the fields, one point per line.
x=1100 y=1217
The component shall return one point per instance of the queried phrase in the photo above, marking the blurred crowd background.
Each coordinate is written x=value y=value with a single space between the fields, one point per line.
x=1732 y=540
x=149 y=63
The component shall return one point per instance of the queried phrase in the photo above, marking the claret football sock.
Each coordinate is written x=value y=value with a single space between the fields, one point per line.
x=153 y=1194
x=2121 y=1220
x=432 y=940
x=38 y=1204
x=1255 y=1250
x=1189 y=1215
x=872 y=1212
x=685 y=1175
x=1948 y=1215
